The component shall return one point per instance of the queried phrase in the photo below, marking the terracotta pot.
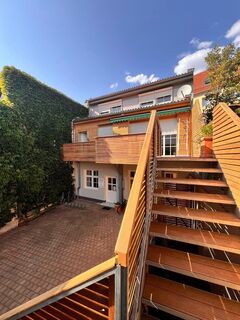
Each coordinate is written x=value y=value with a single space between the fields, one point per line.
x=206 y=147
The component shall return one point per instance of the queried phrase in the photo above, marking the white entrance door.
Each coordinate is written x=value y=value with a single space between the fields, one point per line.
x=111 y=192
x=168 y=137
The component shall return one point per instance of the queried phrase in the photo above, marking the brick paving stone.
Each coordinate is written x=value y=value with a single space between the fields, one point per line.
x=52 y=249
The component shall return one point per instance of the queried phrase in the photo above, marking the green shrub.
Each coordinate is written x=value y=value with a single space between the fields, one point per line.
x=207 y=130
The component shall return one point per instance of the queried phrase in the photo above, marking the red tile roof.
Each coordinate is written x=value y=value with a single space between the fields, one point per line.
x=199 y=85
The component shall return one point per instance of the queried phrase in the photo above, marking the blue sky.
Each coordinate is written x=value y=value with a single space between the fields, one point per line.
x=86 y=48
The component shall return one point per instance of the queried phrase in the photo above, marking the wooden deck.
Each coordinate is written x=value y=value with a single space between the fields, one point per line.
x=187 y=302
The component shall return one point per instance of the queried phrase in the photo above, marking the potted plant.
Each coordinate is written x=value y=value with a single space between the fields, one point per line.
x=206 y=140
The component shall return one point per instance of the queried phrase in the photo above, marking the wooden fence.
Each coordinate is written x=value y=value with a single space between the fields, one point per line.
x=226 y=146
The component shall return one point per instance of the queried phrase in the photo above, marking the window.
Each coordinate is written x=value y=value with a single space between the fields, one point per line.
x=92 y=179
x=131 y=178
x=105 y=112
x=207 y=81
x=116 y=109
x=164 y=99
x=169 y=144
x=112 y=184
x=146 y=104
x=83 y=136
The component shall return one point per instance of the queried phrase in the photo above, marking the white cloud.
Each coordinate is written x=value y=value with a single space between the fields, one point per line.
x=234 y=33
x=200 y=44
x=114 y=85
x=194 y=60
x=140 y=78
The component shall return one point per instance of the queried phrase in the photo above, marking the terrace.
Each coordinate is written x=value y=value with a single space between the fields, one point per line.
x=53 y=249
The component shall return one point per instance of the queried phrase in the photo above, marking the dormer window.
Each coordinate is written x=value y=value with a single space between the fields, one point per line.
x=146 y=104
x=164 y=99
x=116 y=109
x=105 y=112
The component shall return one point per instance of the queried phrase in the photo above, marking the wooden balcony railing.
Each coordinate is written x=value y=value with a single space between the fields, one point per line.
x=226 y=146
x=79 y=151
x=120 y=277
x=122 y=149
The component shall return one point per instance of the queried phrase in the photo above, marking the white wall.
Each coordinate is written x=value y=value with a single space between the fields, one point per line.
x=104 y=170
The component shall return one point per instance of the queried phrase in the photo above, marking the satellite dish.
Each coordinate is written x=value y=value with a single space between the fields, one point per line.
x=183 y=91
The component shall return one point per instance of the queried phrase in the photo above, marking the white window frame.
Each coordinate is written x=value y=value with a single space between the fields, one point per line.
x=160 y=97
x=92 y=177
x=130 y=179
x=147 y=104
x=163 y=139
x=79 y=134
x=104 y=112
x=114 y=108
x=111 y=183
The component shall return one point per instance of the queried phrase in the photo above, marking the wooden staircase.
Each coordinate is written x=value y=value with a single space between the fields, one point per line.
x=192 y=272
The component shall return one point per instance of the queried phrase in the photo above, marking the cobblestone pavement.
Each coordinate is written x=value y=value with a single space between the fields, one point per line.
x=52 y=249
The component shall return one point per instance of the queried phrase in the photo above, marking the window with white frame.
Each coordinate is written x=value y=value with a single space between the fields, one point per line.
x=105 y=112
x=131 y=178
x=116 y=109
x=92 y=179
x=169 y=144
x=146 y=104
x=83 y=136
x=164 y=99
x=112 y=184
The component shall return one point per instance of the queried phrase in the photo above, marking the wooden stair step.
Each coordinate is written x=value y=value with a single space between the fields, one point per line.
x=221 y=217
x=177 y=169
x=204 y=238
x=194 y=182
x=192 y=265
x=197 y=196
x=187 y=302
x=195 y=159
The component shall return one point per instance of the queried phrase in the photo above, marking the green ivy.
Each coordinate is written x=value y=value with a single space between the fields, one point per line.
x=35 y=121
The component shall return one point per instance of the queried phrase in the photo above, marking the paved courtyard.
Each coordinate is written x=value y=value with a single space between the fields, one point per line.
x=52 y=249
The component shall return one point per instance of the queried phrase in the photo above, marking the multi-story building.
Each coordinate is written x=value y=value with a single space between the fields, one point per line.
x=106 y=145
x=177 y=254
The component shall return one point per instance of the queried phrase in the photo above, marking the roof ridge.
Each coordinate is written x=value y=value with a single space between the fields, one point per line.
x=108 y=95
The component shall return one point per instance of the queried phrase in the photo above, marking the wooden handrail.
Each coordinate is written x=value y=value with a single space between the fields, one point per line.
x=124 y=236
x=64 y=287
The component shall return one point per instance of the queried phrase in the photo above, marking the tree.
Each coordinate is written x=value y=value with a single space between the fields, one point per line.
x=224 y=75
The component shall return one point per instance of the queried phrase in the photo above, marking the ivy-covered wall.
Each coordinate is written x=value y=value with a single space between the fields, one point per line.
x=35 y=121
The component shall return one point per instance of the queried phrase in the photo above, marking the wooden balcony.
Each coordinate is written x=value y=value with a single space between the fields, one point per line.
x=79 y=151
x=122 y=149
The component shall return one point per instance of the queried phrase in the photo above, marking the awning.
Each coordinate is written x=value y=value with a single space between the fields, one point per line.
x=147 y=115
